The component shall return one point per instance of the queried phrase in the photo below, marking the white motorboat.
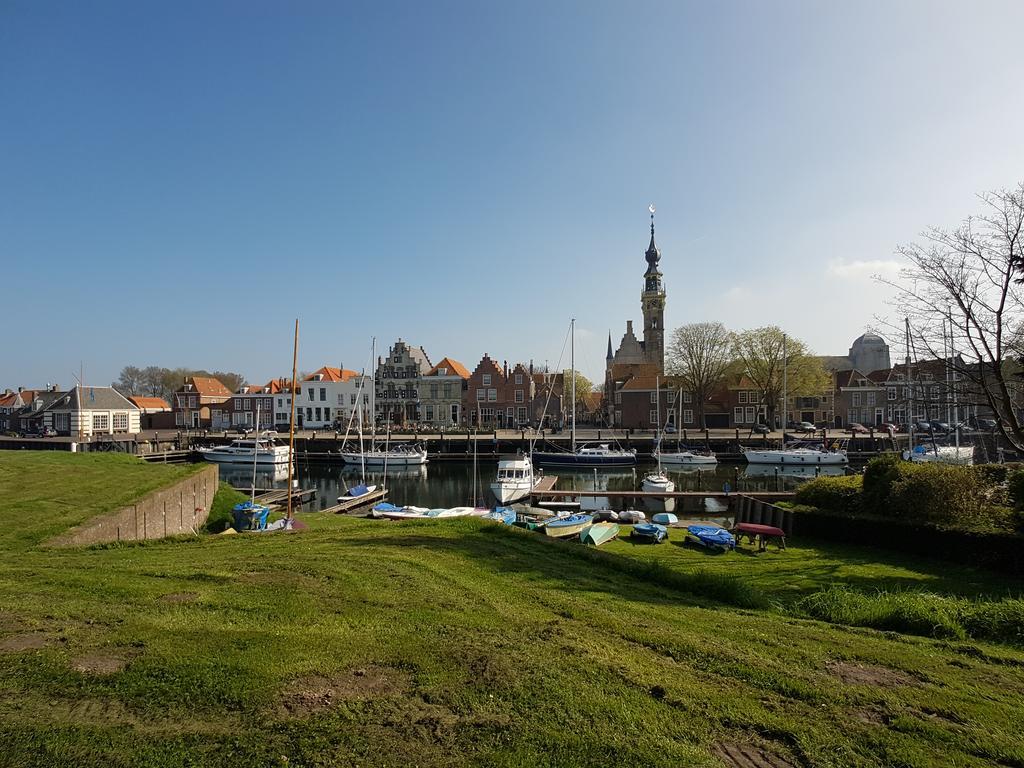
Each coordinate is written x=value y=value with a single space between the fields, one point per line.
x=515 y=479
x=258 y=450
x=799 y=454
x=942 y=454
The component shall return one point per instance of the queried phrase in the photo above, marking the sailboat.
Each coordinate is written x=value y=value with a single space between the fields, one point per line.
x=801 y=453
x=588 y=455
x=658 y=482
x=362 y=489
x=401 y=455
x=684 y=457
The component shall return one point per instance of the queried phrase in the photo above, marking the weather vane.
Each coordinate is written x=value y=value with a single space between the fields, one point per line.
x=651 y=208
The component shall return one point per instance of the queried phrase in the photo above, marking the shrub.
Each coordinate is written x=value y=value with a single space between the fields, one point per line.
x=224 y=501
x=834 y=494
x=998 y=620
x=879 y=475
x=1015 y=481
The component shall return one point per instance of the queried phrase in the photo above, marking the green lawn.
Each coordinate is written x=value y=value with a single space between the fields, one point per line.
x=458 y=642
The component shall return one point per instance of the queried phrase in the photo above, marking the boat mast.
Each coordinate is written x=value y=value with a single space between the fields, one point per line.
x=657 y=406
x=256 y=451
x=572 y=364
x=373 y=393
x=910 y=389
x=291 y=425
x=785 y=361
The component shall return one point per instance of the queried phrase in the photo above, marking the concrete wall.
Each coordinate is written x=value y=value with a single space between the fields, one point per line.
x=179 y=508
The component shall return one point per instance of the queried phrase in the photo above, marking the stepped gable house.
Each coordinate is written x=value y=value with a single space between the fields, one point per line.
x=635 y=357
x=398 y=379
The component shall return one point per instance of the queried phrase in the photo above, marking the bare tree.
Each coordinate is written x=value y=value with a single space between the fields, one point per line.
x=130 y=382
x=699 y=354
x=759 y=357
x=964 y=285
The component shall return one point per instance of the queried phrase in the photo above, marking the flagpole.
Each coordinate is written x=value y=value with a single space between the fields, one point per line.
x=291 y=426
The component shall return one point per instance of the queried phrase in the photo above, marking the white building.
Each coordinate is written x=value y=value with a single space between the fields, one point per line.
x=326 y=399
x=90 y=411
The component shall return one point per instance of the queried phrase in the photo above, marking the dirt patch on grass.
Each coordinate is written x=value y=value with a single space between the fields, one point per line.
x=870 y=716
x=101 y=662
x=178 y=597
x=750 y=756
x=853 y=673
x=309 y=695
x=24 y=641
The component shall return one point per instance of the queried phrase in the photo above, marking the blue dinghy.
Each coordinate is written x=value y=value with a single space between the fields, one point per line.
x=711 y=536
x=665 y=518
x=651 y=532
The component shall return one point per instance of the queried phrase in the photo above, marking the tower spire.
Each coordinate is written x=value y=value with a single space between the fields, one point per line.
x=610 y=355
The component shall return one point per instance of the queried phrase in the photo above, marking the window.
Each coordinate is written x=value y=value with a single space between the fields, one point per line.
x=871 y=398
x=318 y=413
x=492 y=395
x=179 y=419
x=246 y=403
x=737 y=415
x=309 y=414
x=193 y=401
x=121 y=421
x=519 y=396
x=323 y=394
x=100 y=421
x=892 y=394
x=486 y=380
x=447 y=391
x=481 y=394
x=855 y=399
x=687 y=416
x=280 y=403
x=433 y=391
x=311 y=396
x=935 y=393
x=521 y=415
x=430 y=413
x=652 y=417
x=749 y=413
x=687 y=397
x=519 y=378
x=618 y=398
x=238 y=403
x=327 y=414
x=743 y=396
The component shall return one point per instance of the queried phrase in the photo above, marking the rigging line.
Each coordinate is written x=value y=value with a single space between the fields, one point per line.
x=558 y=365
x=359 y=403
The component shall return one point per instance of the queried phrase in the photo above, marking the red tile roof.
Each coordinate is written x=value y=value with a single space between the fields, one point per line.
x=453 y=366
x=150 y=403
x=331 y=374
x=207 y=385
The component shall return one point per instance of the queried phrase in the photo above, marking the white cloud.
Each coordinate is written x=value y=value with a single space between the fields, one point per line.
x=863 y=268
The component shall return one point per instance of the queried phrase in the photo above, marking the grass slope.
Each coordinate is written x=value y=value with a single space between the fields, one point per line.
x=461 y=643
x=46 y=492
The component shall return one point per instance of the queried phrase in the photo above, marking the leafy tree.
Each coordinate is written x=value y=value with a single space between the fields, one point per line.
x=699 y=355
x=759 y=356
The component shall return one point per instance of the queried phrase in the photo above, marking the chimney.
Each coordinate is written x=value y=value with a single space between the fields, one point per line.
x=531 y=367
x=506 y=368
x=629 y=327
x=20 y=390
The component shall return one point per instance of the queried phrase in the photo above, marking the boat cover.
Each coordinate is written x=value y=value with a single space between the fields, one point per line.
x=712 y=536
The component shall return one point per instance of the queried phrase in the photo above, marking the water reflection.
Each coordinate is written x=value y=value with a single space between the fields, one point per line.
x=452 y=483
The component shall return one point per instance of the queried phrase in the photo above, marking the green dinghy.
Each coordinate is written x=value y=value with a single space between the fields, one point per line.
x=599 y=533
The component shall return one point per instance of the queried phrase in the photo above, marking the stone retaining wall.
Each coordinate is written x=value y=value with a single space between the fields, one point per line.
x=179 y=508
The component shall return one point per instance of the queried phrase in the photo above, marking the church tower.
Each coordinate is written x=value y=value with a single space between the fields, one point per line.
x=652 y=301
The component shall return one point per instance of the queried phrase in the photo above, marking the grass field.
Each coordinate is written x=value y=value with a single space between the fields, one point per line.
x=458 y=642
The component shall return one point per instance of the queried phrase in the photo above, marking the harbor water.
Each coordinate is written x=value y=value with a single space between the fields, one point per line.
x=452 y=483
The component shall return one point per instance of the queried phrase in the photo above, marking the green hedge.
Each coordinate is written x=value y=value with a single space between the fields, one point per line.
x=836 y=494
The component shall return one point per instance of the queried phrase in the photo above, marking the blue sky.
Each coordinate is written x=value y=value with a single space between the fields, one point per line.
x=181 y=180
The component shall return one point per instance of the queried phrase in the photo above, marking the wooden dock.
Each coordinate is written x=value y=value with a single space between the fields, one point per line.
x=548 y=493
x=279 y=496
x=357 y=503
x=545 y=484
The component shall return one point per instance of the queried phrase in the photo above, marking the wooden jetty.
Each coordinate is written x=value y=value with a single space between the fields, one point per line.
x=357 y=503
x=766 y=495
x=280 y=496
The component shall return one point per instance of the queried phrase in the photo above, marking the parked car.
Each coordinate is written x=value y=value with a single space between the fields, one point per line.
x=938 y=426
x=806 y=427
x=857 y=429
x=243 y=430
x=888 y=427
x=670 y=429
x=760 y=429
x=48 y=432
x=988 y=424
x=922 y=426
